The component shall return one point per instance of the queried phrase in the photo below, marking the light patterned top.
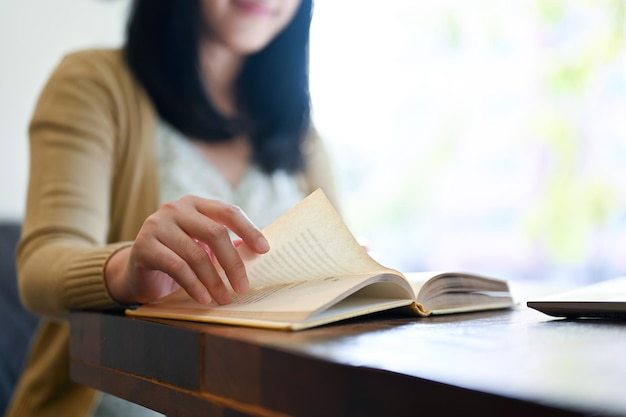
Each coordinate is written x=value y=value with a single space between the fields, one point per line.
x=184 y=170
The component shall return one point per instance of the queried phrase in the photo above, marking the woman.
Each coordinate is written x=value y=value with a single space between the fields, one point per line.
x=147 y=162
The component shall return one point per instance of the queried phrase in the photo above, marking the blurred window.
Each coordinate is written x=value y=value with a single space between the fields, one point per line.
x=478 y=135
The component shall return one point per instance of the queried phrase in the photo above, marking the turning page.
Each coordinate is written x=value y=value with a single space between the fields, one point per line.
x=310 y=241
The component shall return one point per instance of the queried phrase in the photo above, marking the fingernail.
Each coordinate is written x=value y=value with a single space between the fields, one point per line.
x=262 y=244
x=205 y=298
x=242 y=286
x=224 y=299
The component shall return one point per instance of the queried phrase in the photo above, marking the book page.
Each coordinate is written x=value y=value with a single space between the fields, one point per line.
x=310 y=241
x=452 y=292
x=294 y=301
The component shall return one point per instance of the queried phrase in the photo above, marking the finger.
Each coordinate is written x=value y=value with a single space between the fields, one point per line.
x=208 y=223
x=230 y=261
x=199 y=262
x=208 y=250
x=219 y=249
x=154 y=255
x=236 y=220
x=239 y=282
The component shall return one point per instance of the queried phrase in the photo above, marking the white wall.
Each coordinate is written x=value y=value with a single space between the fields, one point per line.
x=34 y=34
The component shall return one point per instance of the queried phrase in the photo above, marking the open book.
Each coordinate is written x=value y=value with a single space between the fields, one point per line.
x=317 y=273
x=606 y=299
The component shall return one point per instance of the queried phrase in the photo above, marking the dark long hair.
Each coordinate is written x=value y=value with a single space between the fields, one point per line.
x=162 y=50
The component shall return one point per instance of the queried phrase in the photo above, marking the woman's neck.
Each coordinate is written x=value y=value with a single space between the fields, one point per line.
x=220 y=67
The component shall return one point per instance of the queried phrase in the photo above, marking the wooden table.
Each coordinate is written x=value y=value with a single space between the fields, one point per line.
x=507 y=363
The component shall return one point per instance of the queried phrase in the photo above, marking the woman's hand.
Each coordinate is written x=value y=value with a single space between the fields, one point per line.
x=177 y=247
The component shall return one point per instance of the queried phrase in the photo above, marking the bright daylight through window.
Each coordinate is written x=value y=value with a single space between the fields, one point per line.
x=479 y=135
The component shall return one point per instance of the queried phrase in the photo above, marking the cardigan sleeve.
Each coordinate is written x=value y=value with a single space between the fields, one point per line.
x=64 y=248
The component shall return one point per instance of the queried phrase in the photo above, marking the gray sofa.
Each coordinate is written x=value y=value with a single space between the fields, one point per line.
x=16 y=323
